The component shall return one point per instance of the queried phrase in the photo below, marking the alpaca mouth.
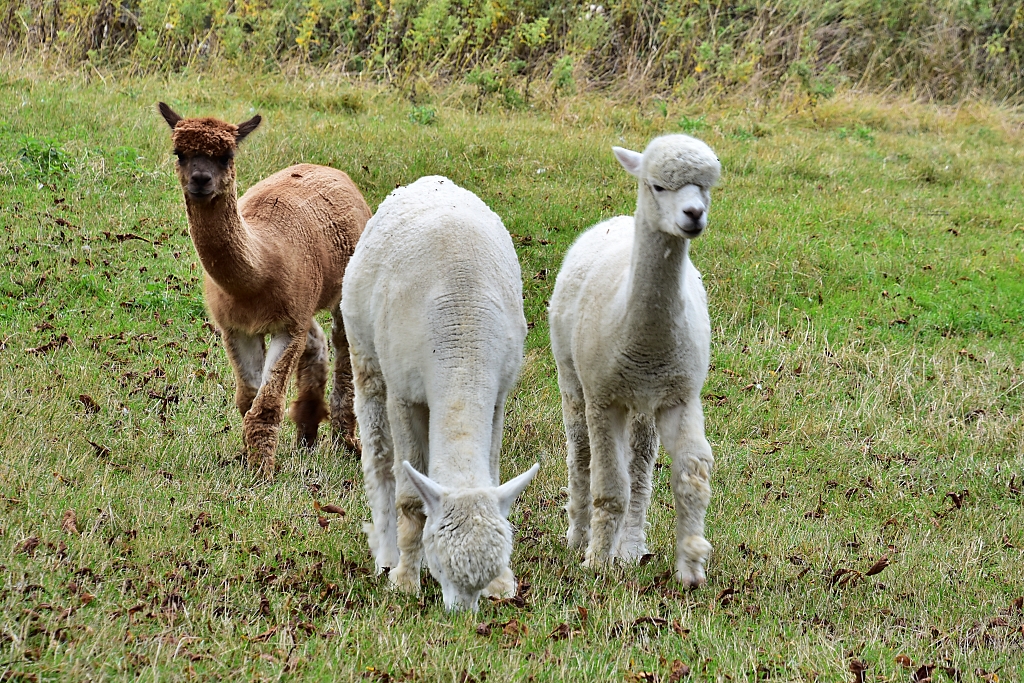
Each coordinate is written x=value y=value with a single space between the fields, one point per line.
x=201 y=195
x=694 y=233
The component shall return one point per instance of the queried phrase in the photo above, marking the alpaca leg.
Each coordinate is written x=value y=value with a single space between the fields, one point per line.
x=343 y=416
x=262 y=423
x=497 y=429
x=377 y=459
x=682 y=431
x=309 y=409
x=504 y=584
x=578 y=461
x=643 y=446
x=409 y=429
x=246 y=354
x=609 y=481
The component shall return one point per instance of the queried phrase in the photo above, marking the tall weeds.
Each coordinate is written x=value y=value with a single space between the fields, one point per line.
x=934 y=49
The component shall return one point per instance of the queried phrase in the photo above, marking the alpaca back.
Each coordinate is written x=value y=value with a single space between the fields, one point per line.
x=314 y=215
x=433 y=294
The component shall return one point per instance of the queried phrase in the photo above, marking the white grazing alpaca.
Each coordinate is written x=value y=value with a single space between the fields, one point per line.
x=433 y=308
x=631 y=337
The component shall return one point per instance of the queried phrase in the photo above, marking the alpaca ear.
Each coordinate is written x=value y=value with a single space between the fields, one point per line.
x=247 y=127
x=510 y=490
x=169 y=115
x=629 y=159
x=430 y=491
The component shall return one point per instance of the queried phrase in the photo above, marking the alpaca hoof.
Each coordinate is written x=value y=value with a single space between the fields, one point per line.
x=503 y=585
x=631 y=551
x=261 y=443
x=691 y=576
x=577 y=537
x=306 y=438
x=266 y=466
x=351 y=443
x=691 y=557
x=598 y=561
x=384 y=557
x=404 y=580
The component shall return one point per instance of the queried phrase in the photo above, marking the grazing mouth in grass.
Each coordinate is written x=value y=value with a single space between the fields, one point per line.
x=866 y=294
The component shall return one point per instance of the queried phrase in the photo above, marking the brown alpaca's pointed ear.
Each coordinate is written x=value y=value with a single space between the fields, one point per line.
x=245 y=128
x=169 y=115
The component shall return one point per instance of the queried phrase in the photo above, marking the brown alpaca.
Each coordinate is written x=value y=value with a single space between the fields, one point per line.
x=272 y=259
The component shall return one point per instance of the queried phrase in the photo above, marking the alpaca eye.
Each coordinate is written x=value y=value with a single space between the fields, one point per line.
x=225 y=160
x=181 y=157
x=657 y=188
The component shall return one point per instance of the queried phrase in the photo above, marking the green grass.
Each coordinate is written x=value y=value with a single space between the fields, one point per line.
x=863 y=262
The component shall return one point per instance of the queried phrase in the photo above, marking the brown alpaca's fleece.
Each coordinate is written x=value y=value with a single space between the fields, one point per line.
x=272 y=259
x=210 y=137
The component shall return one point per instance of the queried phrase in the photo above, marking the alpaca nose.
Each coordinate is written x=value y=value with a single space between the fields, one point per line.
x=694 y=213
x=201 y=179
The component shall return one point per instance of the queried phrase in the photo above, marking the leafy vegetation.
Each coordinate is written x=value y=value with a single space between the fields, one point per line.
x=948 y=49
x=863 y=265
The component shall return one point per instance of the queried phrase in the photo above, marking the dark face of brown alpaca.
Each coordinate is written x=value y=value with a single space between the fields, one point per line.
x=206 y=150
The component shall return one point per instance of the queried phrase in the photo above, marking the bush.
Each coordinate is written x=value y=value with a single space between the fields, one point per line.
x=942 y=49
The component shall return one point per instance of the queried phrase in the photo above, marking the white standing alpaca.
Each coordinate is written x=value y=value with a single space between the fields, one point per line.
x=631 y=337
x=433 y=307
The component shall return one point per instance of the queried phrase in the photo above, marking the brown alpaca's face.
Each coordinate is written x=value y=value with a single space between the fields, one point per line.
x=204 y=178
x=205 y=149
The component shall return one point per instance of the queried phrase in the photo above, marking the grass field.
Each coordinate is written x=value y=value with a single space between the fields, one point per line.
x=863 y=265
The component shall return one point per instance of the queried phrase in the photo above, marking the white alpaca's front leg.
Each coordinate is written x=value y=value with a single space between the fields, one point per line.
x=578 y=462
x=377 y=459
x=643 y=451
x=682 y=431
x=609 y=482
x=503 y=585
x=409 y=431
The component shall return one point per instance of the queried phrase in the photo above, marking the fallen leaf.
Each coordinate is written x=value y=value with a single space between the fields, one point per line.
x=262 y=637
x=681 y=630
x=725 y=597
x=843 y=576
x=91 y=406
x=57 y=343
x=678 y=671
x=560 y=632
x=202 y=521
x=923 y=674
x=953 y=673
x=101 y=451
x=641 y=677
x=646 y=558
x=989 y=677
x=958 y=498
x=28 y=546
x=877 y=567
x=514 y=627
x=334 y=509
x=658 y=622
x=857 y=668
x=584 y=613
x=904 y=661
x=69 y=523
x=483 y=629
x=322 y=521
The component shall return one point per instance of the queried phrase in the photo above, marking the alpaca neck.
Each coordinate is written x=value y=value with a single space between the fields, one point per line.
x=654 y=300
x=227 y=248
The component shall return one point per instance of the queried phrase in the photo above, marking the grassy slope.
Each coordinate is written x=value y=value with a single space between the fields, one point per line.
x=864 y=270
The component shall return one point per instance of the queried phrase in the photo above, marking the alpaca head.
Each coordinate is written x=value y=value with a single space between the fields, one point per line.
x=675 y=174
x=467 y=538
x=206 y=150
